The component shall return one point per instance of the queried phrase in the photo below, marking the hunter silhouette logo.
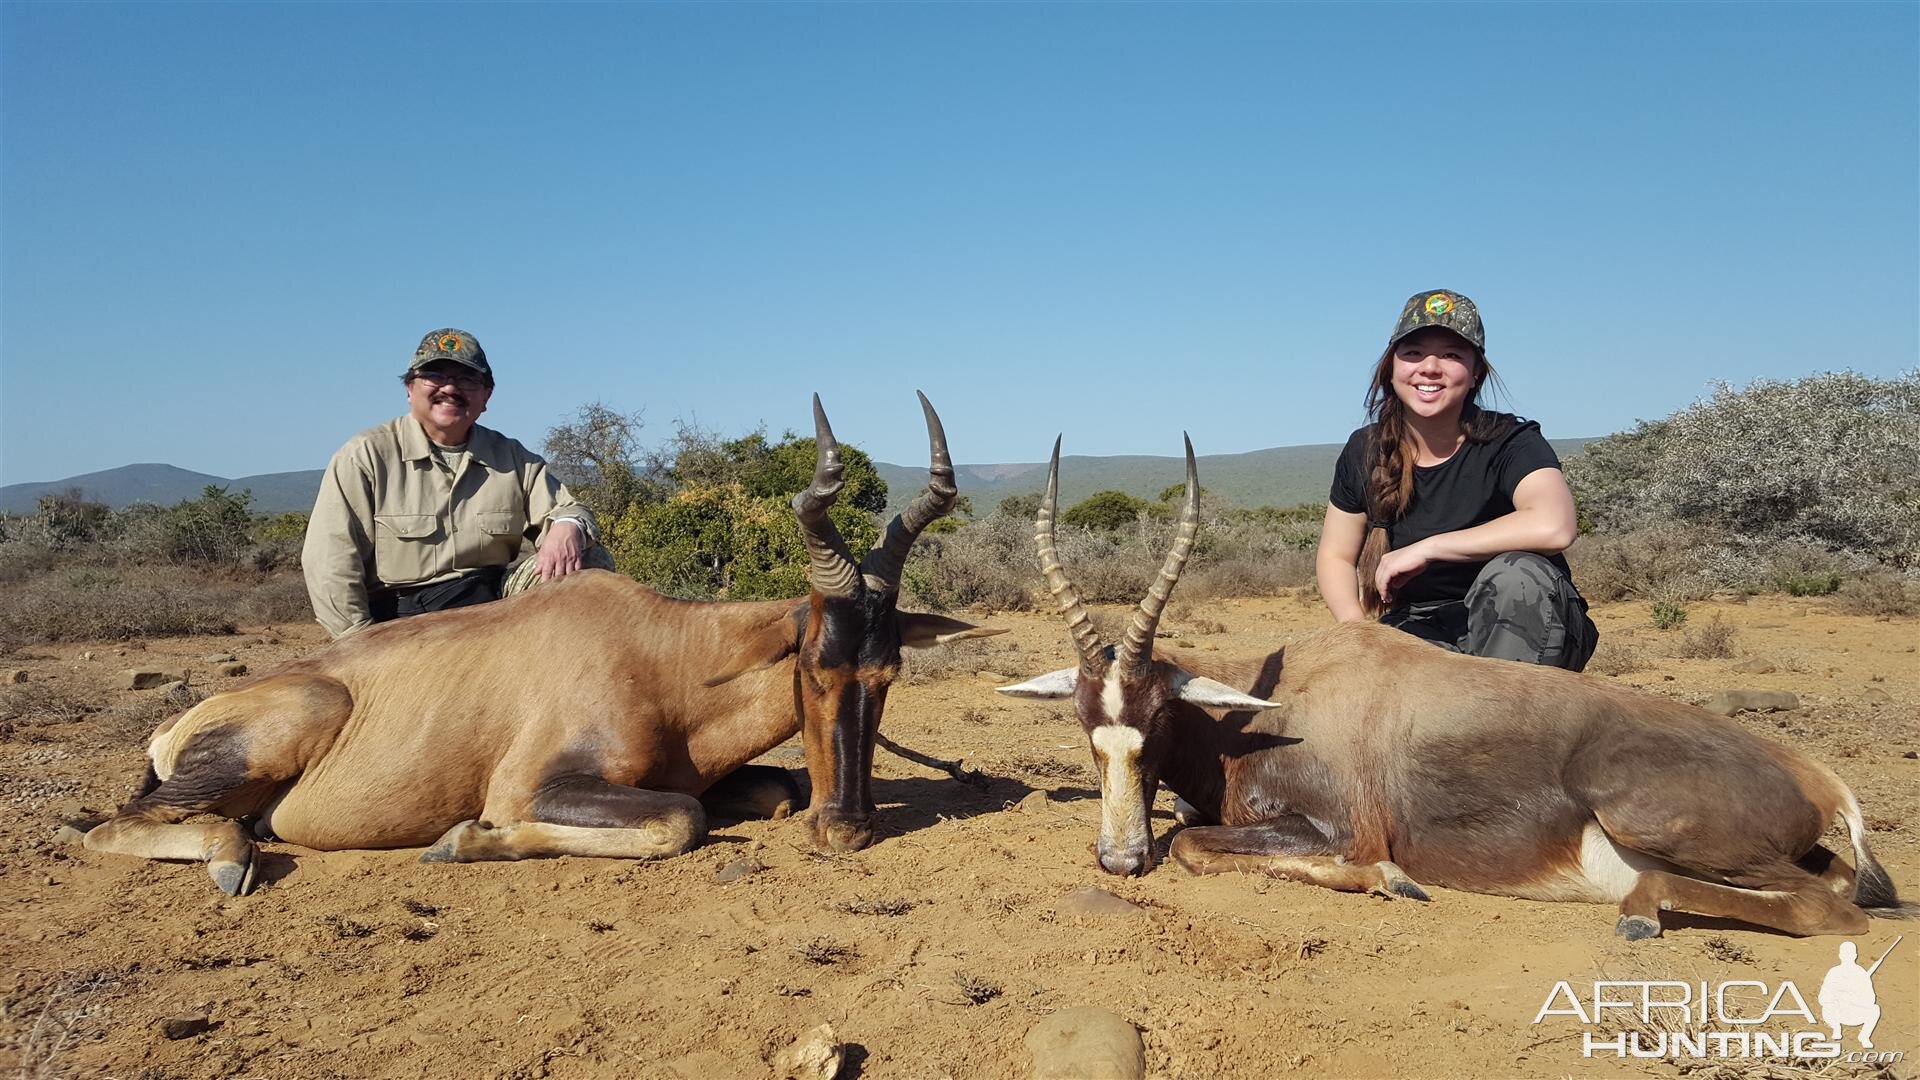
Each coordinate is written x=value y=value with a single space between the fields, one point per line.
x=1846 y=994
x=1728 y=1018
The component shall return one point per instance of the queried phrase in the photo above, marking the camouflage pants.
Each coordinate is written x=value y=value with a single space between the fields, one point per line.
x=1520 y=607
x=525 y=574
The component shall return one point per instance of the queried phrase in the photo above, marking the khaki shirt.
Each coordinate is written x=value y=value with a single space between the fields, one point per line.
x=391 y=514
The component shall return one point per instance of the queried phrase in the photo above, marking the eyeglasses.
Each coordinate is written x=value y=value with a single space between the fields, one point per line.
x=462 y=380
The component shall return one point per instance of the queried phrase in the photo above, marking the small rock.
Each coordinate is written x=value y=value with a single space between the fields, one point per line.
x=1086 y=1043
x=1728 y=702
x=738 y=869
x=1036 y=802
x=86 y=656
x=218 y=658
x=185 y=1026
x=1875 y=696
x=1911 y=755
x=1753 y=665
x=815 y=1055
x=16 y=677
x=233 y=671
x=67 y=834
x=142 y=679
x=1098 y=902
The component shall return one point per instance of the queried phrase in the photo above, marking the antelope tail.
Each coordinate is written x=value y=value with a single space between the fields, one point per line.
x=1872 y=887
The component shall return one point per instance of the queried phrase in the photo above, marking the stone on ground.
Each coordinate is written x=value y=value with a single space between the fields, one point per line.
x=1728 y=702
x=1086 y=1043
x=815 y=1055
x=1098 y=902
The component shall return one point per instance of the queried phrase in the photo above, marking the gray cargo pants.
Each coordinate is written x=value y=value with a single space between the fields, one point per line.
x=1520 y=607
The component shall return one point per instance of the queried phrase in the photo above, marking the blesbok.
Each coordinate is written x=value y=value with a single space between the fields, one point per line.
x=590 y=716
x=1362 y=758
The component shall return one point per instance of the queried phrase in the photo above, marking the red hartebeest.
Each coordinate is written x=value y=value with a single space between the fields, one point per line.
x=1363 y=758
x=587 y=717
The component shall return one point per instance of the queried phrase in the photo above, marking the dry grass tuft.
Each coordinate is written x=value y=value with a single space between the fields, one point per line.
x=1714 y=641
x=1880 y=594
x=62 y=1017
x=824 y=950
x=974 y=990
x=890 y=908
x=1612 y=658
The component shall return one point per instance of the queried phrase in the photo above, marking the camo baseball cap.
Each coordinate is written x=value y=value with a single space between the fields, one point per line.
x=456 y=345
x=1443 y=308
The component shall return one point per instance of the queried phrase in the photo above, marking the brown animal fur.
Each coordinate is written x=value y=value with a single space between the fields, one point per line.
x=401 y=733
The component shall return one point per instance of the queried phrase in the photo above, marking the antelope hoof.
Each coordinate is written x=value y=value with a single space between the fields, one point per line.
x=234 y=876
x=447 y=848
x=1397 y=883
x=1637 y=927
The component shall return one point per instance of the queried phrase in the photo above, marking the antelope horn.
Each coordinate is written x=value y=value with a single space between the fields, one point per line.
x=1137 y=649
x=883 y=564
x=831 y=567
x=1079 y=623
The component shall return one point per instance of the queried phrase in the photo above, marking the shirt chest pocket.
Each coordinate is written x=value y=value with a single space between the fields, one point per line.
x=403 y=545
x=500 y=523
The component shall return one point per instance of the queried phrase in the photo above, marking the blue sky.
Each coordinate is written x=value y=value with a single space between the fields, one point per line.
x=223 y=227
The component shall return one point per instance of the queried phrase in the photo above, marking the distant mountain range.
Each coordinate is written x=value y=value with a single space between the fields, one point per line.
x=1281 y=476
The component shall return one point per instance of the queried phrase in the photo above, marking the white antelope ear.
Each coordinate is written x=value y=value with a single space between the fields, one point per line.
x=1213 y=694
x=1054 y=684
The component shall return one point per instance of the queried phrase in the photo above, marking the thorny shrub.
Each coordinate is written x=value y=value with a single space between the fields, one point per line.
x=1825 y=460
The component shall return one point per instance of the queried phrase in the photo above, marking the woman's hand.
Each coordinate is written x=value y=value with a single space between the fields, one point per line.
x=1399 y=566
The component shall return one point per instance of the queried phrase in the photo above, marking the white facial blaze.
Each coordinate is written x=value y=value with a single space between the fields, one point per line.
x=1123 y=809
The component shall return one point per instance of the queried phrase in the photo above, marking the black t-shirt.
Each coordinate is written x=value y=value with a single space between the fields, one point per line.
x=1472 y=487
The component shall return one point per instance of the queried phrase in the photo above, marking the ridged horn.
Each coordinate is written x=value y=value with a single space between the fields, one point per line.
x=1137 y=649
x=883 y=564
x=830 y=564
x=1079 y=623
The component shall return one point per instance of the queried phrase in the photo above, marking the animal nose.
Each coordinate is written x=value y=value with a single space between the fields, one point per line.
x=842 y=834
x=1127 y=863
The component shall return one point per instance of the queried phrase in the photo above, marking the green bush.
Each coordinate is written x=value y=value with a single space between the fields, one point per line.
x=720 y=541
x=1668 y=614
x=1811 y=585
x=1104 y=511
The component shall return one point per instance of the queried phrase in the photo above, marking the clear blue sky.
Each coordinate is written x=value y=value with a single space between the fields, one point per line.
x=223 y=227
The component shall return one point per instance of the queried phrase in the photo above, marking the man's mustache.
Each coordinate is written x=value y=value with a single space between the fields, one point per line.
x=454 y=398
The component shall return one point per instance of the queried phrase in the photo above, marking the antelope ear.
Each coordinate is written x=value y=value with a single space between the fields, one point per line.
x=1212 y=694
x=1054 y=684
x=922 y=631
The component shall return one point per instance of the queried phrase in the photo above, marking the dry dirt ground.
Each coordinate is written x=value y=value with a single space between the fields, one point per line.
x=932 y=953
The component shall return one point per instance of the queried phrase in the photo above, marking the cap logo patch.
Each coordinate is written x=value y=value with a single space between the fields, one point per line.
x=452 y=344
x=1439 y=304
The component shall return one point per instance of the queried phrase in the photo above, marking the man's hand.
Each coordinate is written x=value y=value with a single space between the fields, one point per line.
x=560 y=553
x=1397 y=567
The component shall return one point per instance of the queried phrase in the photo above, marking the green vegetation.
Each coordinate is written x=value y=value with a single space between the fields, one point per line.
x=1668 y=614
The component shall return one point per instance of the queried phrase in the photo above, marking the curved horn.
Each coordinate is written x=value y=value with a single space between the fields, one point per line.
x=883 y=564
x=1137 y=649
x=1079 y=623
x=831 y=564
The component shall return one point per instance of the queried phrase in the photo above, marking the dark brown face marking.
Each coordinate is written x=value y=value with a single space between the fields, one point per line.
x=207 y=772
x=847 y=663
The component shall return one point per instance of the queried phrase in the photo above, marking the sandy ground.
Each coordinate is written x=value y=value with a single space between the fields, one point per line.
x=932 y=953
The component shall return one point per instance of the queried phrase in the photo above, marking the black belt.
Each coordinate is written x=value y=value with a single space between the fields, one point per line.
x=471 y=587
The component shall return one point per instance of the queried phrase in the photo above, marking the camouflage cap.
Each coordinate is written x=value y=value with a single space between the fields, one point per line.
x=456 y=345
x=1445 y=309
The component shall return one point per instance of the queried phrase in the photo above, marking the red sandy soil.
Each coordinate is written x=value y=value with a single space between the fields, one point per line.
x=370 y=964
